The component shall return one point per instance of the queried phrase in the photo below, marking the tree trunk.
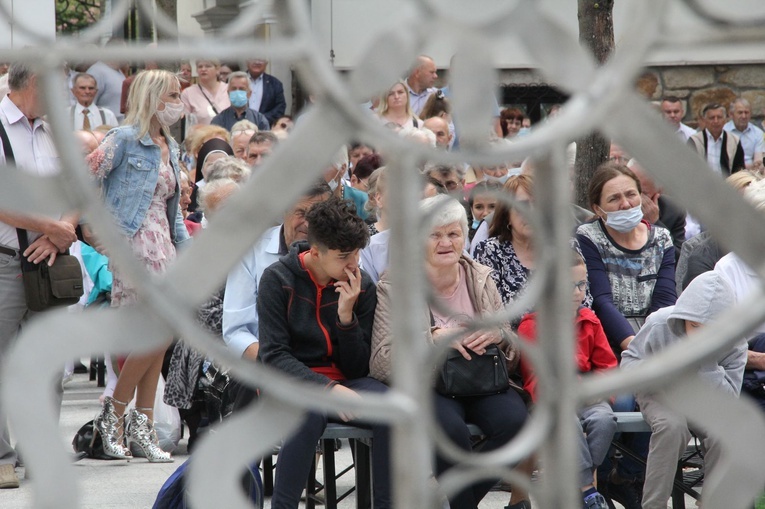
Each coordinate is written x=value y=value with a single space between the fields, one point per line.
x=596 y=32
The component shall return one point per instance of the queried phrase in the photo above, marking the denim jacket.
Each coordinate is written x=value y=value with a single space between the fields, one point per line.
x=128 y=169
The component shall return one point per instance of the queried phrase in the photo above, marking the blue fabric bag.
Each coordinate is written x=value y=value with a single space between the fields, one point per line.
x=172 y=495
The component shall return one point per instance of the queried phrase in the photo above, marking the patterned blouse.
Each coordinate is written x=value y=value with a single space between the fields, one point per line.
x=509 y=274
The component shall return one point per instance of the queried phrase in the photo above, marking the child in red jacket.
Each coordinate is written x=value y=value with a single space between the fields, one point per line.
x=597 y=421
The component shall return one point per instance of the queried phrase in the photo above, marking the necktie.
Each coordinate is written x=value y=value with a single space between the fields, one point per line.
x=85 y=120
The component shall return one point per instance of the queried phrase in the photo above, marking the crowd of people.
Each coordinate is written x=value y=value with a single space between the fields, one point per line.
x=312 y=297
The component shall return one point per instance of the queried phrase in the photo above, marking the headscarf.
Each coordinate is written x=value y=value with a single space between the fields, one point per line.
x=207 y=148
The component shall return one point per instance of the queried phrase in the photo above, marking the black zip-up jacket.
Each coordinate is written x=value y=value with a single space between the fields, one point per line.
x=298 y=328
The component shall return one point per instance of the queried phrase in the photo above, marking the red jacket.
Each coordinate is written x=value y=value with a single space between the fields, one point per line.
x=593 y=351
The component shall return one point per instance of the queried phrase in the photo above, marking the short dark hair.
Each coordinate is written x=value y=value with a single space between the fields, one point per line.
x=367 y=165
x=605 y=172
x=264 y=137
x=670 y=99
x=334 y=224
x=319 y=187
x=713 y=106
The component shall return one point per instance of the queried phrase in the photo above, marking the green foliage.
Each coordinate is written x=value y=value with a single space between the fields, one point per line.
x=73 y=16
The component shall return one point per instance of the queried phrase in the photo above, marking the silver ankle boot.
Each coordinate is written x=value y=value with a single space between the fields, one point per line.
x=140 y=433
x=107 y=424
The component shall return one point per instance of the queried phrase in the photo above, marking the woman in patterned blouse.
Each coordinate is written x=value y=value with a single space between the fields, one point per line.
x=509 y=249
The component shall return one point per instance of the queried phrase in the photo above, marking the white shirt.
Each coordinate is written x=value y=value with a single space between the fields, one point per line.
x=714 y=151
x=374 y=258
x=94 y=115
x=257 y=93
x=34 y=152
x=240 y=315
x=743 y=280
x=685 y=131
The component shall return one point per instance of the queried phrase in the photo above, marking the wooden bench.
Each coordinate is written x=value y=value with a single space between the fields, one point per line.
x=684 y=483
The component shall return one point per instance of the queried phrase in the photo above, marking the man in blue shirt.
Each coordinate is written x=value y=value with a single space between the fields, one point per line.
x=750 y=136
x=239 y=94
x=240 y=317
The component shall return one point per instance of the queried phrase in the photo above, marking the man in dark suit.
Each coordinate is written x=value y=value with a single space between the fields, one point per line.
x=267 y=91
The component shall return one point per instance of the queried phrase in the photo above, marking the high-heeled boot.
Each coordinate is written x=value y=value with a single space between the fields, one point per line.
x=110 y=426
x=140 y=432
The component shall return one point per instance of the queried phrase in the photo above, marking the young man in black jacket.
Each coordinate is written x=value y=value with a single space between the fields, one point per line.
x=316 y=309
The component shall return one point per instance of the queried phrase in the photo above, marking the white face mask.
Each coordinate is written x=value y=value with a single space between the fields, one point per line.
x=171 y=114
x=625 y=221
x=335 y=181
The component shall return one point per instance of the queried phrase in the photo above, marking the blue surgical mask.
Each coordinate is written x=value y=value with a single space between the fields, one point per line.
x=476 y=224
x=238 y=98
x=625 y=221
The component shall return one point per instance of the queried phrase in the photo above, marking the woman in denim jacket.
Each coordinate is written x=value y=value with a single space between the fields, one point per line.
x=137 y=167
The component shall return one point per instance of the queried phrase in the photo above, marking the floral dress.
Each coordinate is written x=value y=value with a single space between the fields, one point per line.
x=151 y=243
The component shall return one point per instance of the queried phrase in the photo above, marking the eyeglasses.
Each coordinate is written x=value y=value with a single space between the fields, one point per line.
x=248 y=132
x=581 y=286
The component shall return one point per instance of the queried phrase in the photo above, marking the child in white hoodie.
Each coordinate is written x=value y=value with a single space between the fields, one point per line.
x=707 y=296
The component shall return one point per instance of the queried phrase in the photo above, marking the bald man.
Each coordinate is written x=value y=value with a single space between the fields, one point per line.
x=440 y=128
x=420 y=82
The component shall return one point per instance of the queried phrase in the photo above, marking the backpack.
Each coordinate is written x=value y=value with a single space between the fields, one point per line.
x=172 y=495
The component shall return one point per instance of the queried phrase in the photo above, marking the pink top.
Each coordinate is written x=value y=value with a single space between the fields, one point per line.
x=196 y=104
x=458 y=304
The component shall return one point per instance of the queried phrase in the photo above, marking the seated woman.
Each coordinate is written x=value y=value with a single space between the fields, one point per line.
x=630 y=262
x=465 y=288
x=395 y=107
x=509 y=249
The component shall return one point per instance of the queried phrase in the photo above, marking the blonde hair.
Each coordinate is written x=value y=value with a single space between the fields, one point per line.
x=144 y=98
x=742 y=179
x=377 y=183
x=202 y=133
x=384 y=100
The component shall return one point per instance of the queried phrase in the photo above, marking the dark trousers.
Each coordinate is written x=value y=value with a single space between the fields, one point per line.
x=297 y=453
x=500 y=417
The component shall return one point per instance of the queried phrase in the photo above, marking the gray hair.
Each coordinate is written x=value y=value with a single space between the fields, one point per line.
x=442 y=169
x=240 y=74
x=228 y=168
x=264 y=137
x=19 y=75
x=739 y=100
x=213 y=193
x=443 y=210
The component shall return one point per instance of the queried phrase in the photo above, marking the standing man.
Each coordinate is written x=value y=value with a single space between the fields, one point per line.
x=267 y=91
x=109 y=77
x=673 y=111
x=85 y=115
x=750 y=136
x=720 y=149
x=240 y=93
x=420 y=82
x=316 y=309
x=32 y=146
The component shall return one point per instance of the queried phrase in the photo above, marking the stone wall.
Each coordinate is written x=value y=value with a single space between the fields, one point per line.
x=694 y=85
x=697 y=85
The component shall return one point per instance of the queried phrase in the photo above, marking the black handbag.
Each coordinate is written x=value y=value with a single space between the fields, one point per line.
x=47 y=286
x=483 y=375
